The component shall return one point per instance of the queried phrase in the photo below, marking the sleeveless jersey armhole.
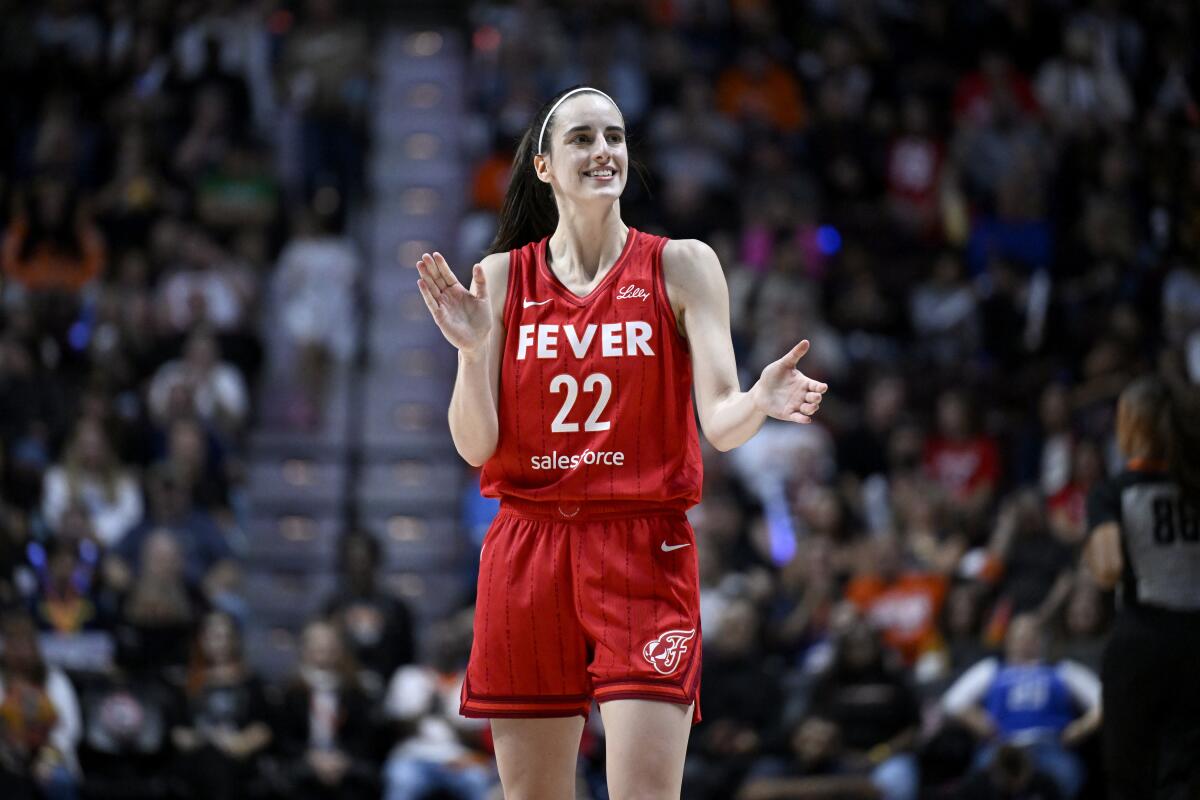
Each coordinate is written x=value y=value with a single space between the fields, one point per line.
x=510 y=291
x=664 y=300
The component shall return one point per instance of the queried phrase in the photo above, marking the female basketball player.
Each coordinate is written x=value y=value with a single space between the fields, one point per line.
x=578 y=343
x=1145 y=540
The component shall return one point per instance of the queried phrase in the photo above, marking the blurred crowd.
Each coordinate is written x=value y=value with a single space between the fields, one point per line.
x=175 y=179
x=986 y=217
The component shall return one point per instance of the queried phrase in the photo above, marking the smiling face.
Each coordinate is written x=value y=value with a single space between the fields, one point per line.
x=583 y=153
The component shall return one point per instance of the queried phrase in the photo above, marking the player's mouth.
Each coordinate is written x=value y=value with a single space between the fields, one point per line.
x=602 y=174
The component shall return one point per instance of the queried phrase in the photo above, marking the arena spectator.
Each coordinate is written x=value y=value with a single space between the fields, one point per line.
x=226 y=724
x=196 y=457
x=903 y=603
x=323 y=723
x=996 y=81
x=915 y=163
x=323 y=75
x=216 y=389
x=39 y=719
x=1035 y=566
x=71 y=597
x=159 y=611
x=91 y=476
x=314 y=286
x=740 y=699
x=204 y=284
x=203 y=544
x=436 y=749
x=1024 y=701
x=1079 y=89
x=760 y=92
x=53 y=246
x=964 y=462
x=378 y=626
x=868 y=700
x=818 y=766
x=126 y=751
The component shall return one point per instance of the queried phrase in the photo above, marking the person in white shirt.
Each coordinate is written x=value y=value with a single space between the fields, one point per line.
x=437 y=748
x=91 y=476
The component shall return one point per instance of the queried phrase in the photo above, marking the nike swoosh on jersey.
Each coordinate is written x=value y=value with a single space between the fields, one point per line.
x=666 y=548
x=529 y=303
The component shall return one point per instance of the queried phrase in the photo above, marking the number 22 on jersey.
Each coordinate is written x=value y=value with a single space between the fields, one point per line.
x=597 y=381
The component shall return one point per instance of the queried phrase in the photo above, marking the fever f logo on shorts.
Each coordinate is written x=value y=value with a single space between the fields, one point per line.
x=665 y=652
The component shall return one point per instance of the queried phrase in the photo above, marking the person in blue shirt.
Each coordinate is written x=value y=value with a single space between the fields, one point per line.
x=1023 y=701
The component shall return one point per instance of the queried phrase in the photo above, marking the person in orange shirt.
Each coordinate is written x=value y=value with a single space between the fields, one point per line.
x=760 y=89
x=51 y=245
x=904 y=605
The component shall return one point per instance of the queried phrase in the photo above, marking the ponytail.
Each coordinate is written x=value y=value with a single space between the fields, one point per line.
x=1183 y=440
x=1167 y=406
x=529 y=212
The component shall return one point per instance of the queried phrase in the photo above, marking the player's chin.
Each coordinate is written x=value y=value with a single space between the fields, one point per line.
x=617 y=183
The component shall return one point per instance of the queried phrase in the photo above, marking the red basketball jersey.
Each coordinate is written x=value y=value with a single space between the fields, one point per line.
x=595 y=392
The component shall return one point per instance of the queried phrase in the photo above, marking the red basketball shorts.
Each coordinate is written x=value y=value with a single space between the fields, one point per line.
x=580 y=602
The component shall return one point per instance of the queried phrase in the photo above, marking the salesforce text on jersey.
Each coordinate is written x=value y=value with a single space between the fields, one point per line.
x=558 y=460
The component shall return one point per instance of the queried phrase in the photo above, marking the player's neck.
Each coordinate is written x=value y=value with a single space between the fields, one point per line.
x=585 y=244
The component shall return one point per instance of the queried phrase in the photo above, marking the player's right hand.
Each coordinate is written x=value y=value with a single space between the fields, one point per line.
x=464 y=317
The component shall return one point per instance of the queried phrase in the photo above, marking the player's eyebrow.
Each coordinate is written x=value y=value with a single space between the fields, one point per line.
x=617 y=128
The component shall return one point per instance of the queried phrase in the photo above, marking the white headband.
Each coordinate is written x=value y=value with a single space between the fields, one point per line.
x=554 y=108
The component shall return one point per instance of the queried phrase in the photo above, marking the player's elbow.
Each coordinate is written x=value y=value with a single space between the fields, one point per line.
x=723 y=443
x=475 y=456
x=474 y=438
x=475 y=450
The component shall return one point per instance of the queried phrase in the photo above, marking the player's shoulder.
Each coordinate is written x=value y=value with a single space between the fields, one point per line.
x=495 y=264
x=688 y=253
x=690 y=265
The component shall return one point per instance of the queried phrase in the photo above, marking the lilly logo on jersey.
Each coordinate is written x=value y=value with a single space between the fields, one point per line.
x=632 y=292
x=666 y=652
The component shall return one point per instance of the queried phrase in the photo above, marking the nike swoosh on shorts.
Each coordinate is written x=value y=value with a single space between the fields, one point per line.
x=666 y=548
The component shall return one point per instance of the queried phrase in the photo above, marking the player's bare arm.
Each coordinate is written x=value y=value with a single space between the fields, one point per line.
x=471 y=320
x=698 y=293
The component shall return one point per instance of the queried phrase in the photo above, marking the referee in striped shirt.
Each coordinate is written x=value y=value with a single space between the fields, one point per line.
x=1144 y=541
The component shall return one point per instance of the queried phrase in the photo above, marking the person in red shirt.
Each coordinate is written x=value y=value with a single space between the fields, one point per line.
x=976 y=94
x=965 y=464
x=914 y=169
x=1068 y=506
x=577 y=346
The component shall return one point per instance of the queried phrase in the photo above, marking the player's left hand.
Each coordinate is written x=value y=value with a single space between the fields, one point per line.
x=785 y=393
